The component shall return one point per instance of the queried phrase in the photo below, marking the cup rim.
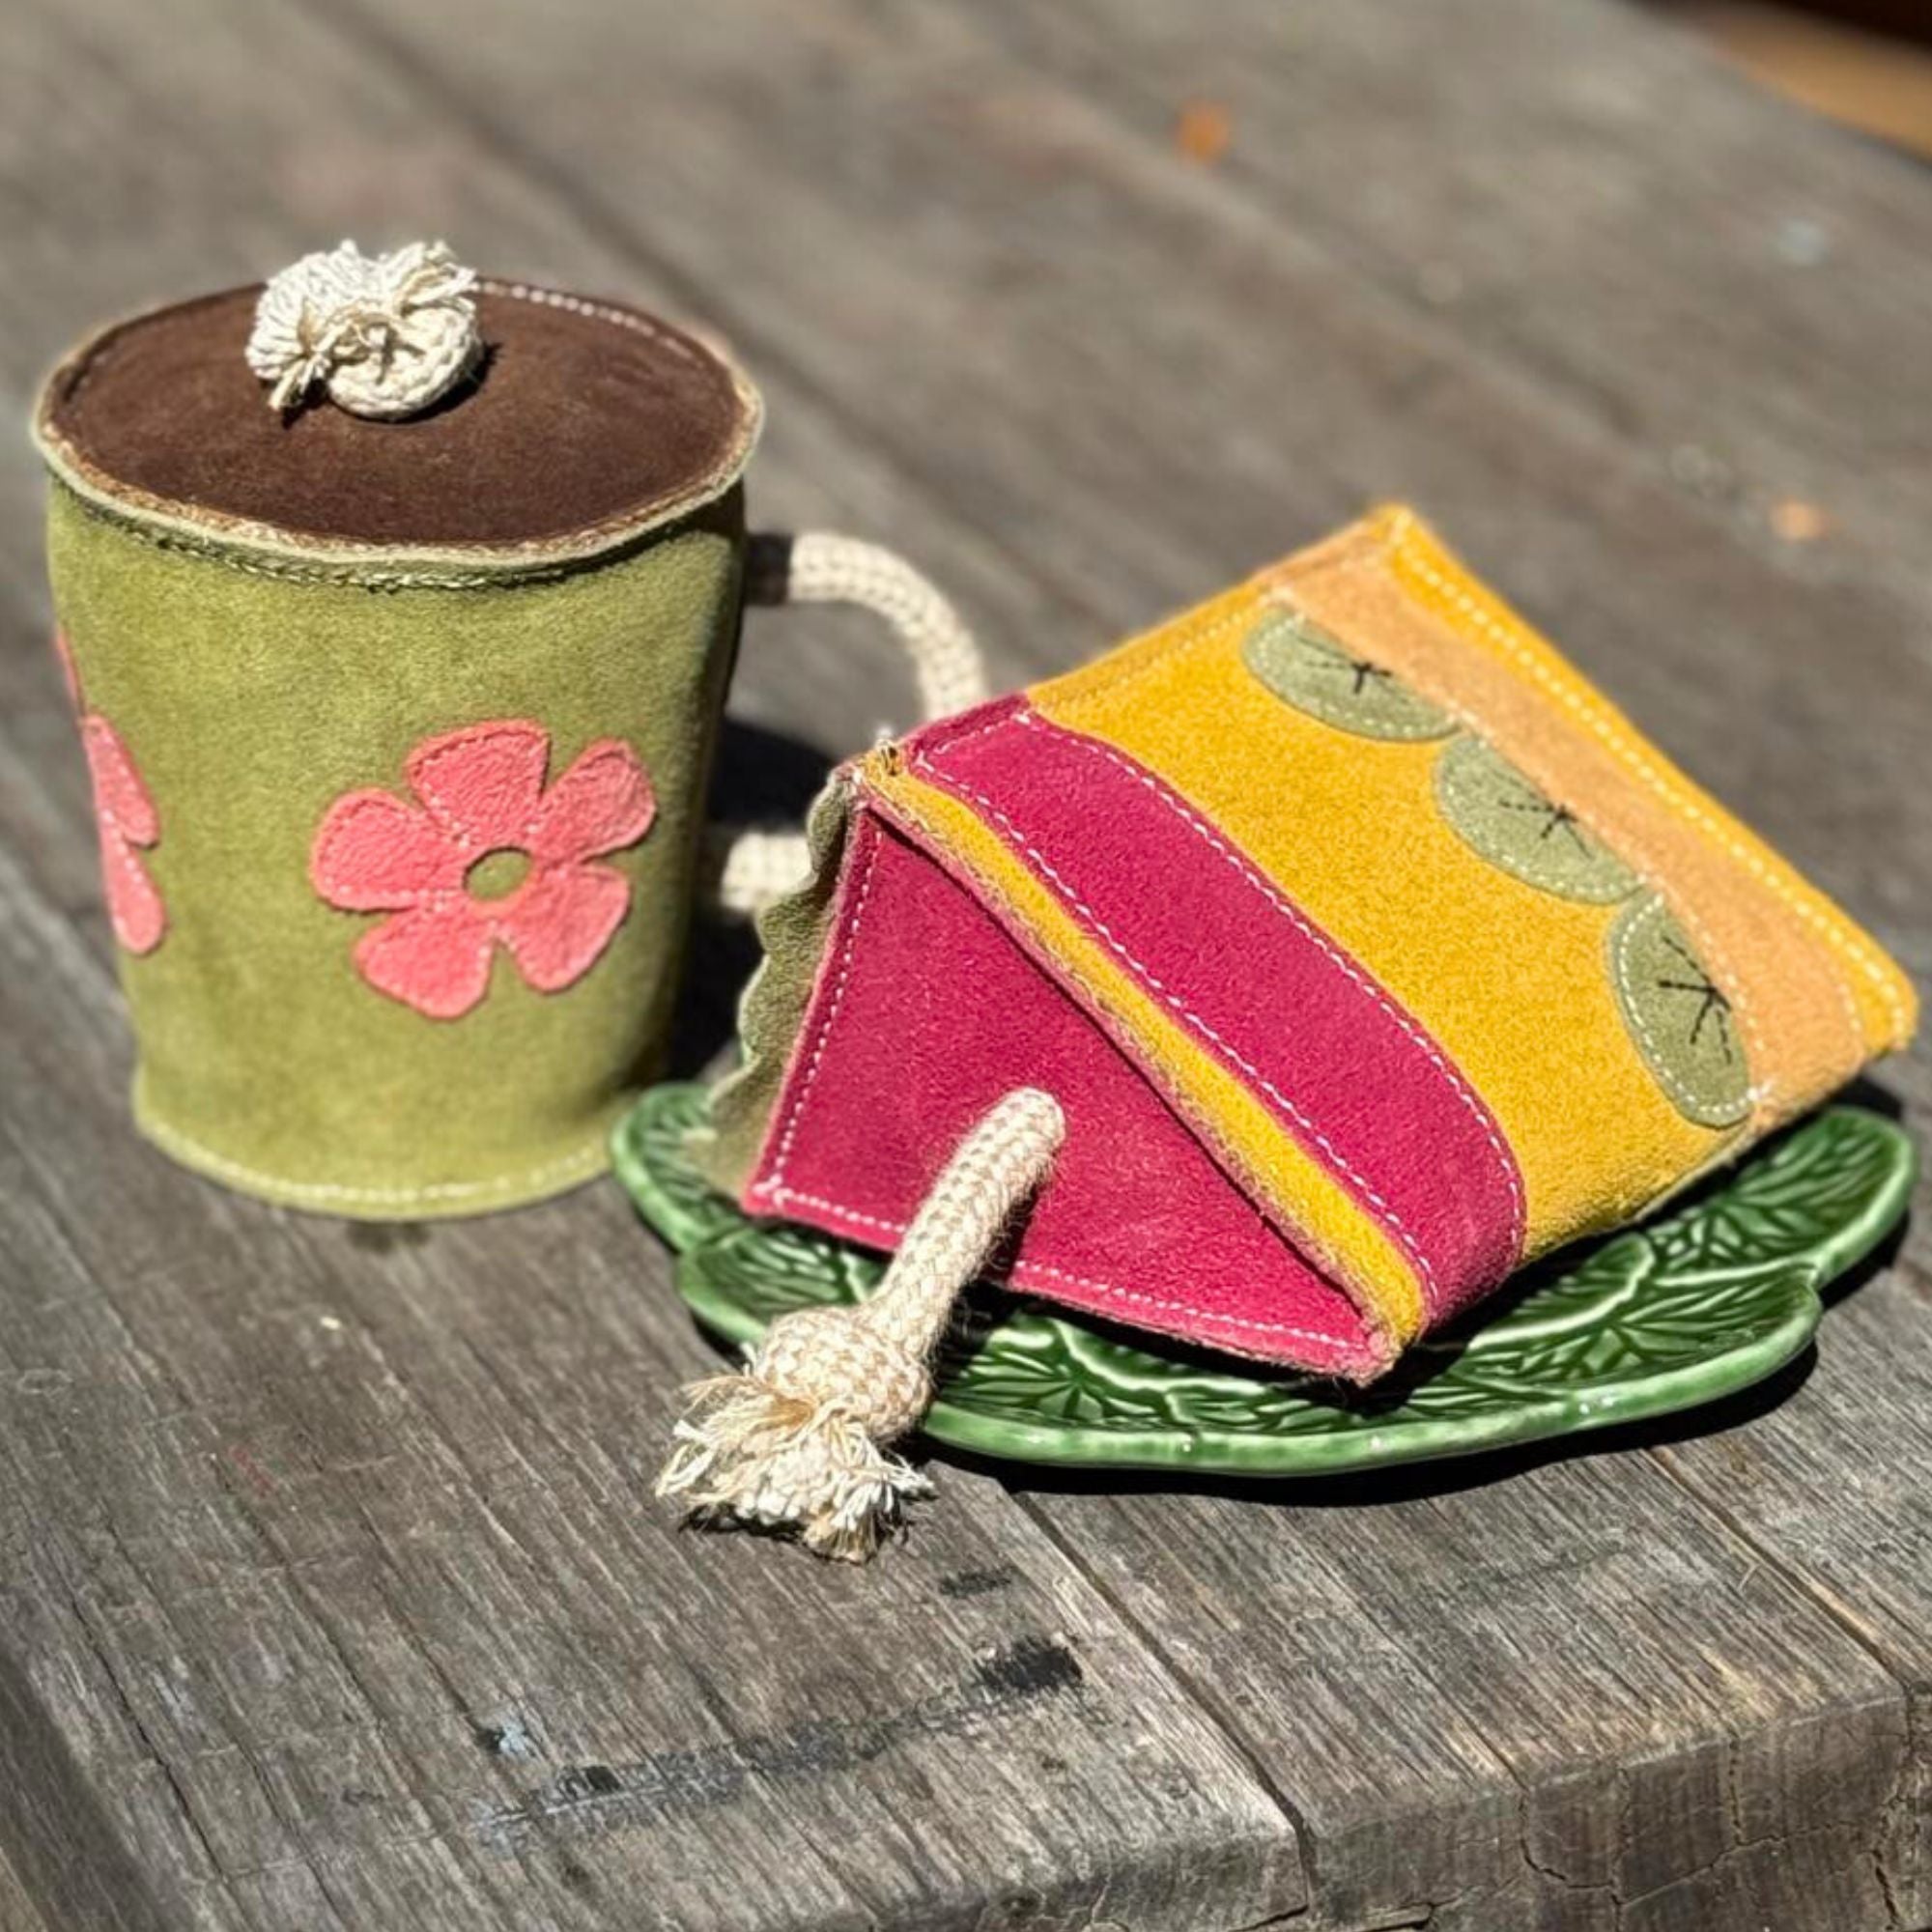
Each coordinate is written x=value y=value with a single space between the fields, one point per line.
x=273 y=550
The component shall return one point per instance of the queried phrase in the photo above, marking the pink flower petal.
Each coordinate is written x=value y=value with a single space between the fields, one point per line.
x=120 y=798
x=484 y=781
x=559 y=920
x=373 y=853
x=134 y=907
x=602 y=802
x=435 y=959
x=64 y=651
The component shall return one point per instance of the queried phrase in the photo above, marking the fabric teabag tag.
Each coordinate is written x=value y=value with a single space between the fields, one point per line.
x=1368 y=950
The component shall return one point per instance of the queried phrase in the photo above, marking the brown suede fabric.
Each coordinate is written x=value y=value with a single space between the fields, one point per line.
x=583 y=415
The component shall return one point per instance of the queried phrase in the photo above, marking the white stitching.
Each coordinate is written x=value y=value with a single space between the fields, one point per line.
x=1386 y=1214
x=1632 y=756
x=952 y=740
x=638 y=325
x=1659 y=1065
x=773 y=1188
x=785 y=1196
x=1505 y=1162
x=789 y=1134
x=1688 y=914
x=1763 y=1092
x=1656 y=1057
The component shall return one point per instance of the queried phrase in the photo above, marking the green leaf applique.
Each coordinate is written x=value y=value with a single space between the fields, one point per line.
x=1506 y=819
x=1307 y=667
x=1677 y=1014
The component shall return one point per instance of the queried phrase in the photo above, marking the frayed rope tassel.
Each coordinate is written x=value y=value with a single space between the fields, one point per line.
x=799 y=1439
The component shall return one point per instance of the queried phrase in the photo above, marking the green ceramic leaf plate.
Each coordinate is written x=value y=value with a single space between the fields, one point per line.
x=1709 y=1297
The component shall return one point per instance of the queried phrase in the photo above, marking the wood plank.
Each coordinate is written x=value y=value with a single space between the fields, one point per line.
x=1832 y=1487
x=1687 y=1741
x=347 y=1598
x=339 y=1585
x=17 y=1912
x=1713 y=279
x=1093 y=532
x=1130 y=427
x=1811 y=399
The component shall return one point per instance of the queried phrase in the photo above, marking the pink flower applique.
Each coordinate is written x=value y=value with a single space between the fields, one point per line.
x=488 y=856
x=125 y=819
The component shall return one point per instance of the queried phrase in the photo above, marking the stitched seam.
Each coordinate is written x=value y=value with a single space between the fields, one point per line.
x=1657 y=1059
x=774 y=1187
x=516 y=570
x=1099 y=1007
x=789 y=1134
x=1763 y=1092
x=328 y=881
x=1339 y=1343
x=1505 y=1162
x=374 y=577
x=1384 y=1213
x=1188 y=637
x=1632 y=757
x=1456 y=786
x=459 y=835
x=588 y=1160
x=980 y=730
x=637 y=325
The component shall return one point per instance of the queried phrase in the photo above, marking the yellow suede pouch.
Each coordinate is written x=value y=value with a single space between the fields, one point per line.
x=1436 y=958
x=1634 y=984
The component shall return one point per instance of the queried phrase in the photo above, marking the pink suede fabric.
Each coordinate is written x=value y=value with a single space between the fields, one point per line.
x=926 y=1010
x=1350 y=1075
x=125 y=819
x=481 y=790
x=127 y=824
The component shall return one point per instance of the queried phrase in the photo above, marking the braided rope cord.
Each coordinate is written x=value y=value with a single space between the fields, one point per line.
x=799 y=1438
x=384 y=336
x=831 y=569
x=749 y=867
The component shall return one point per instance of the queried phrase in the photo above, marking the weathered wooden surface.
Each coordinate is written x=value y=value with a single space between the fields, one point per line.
x=332 y=1594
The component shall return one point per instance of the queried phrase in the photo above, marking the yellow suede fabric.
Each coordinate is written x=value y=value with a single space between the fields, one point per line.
x=1885 y=1000
x=1814 y=996
x=1509 y=979
x=1350 y=1247
x=1514 y=977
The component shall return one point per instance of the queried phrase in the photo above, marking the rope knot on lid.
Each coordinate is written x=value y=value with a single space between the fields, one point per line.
x=385 y=335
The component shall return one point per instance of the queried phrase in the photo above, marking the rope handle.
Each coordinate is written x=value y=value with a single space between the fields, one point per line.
x=752 y=866
x=799 y=1437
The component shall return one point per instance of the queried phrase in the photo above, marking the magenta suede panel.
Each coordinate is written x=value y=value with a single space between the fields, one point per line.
x=1350 y=1075
x=926 y=1012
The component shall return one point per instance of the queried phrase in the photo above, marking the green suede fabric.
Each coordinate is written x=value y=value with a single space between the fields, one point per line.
x=250 y=702
x=772 y=1012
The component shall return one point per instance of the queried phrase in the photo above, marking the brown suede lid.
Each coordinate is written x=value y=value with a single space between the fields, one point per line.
x=587 y=421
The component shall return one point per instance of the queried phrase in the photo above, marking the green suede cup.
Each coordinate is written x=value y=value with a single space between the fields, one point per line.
x=251 y=677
